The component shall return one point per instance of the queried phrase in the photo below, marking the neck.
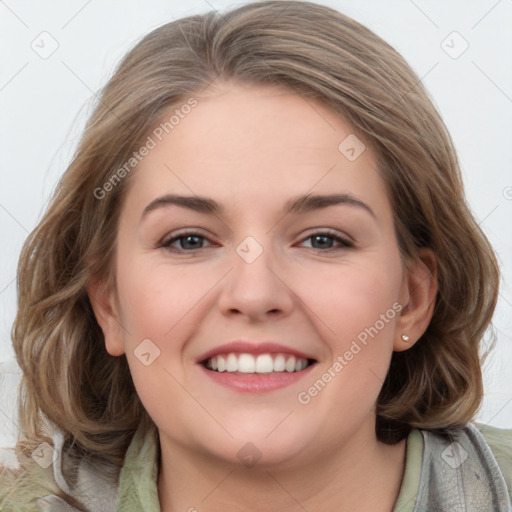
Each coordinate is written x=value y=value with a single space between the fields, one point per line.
x=360 y=475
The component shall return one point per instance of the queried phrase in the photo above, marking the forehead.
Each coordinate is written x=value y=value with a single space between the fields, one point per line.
x=248 y=144
x=269 y=123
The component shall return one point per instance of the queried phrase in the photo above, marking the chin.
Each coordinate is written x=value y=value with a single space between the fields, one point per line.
x=265 y=444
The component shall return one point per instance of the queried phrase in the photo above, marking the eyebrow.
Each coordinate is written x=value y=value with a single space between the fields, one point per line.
x=298 y=205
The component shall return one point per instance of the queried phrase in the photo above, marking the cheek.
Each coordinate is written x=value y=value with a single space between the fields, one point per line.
x=159 y=303
x=357 y=315
x=351 y=298
x=154 y=297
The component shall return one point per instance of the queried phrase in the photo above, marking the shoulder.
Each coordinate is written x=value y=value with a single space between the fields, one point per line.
x=500 y=443
x=51 y=479
x=466 y=469
x=23 y=485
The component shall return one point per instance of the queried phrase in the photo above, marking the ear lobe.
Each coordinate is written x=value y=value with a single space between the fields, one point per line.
x=105 y=307
x=421 y=287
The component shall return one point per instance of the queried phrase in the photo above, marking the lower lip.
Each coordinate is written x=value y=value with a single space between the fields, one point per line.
x=256 y=383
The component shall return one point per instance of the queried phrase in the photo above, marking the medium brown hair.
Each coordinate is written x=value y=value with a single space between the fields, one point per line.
x=70 y=381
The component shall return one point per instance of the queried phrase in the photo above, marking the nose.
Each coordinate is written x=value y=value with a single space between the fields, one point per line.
x=256 y=288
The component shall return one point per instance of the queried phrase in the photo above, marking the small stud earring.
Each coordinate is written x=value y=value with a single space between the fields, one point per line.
x=405 y=337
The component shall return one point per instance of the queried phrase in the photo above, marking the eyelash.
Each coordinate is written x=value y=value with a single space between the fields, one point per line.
x=345 y=244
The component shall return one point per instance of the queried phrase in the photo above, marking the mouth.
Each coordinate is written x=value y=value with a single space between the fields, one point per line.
x=261 y=364
x=255 y=367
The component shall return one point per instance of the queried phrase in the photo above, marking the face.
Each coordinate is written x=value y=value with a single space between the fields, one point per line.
x=321 y=281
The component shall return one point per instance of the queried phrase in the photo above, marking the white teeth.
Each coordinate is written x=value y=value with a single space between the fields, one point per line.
x=290 y=364
x=279 y=363
x=231 y=363
x=246 y=363
x=263 y=363
x=300 y=365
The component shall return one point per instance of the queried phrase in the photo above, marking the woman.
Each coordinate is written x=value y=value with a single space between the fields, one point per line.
x=258 y=286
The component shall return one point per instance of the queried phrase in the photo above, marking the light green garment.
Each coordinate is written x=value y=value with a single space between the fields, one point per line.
x=138 y=489
x=434 y=478
x=411 y=480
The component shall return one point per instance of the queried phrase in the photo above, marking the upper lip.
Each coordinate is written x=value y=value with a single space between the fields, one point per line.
x=252 y=347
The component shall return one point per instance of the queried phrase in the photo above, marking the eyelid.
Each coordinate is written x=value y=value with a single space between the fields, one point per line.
x=331 y=232
x=345 y=241
x=166 y=241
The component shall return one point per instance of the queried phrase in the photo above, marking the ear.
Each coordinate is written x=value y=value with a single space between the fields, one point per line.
x=418 y=297
x=105 y=306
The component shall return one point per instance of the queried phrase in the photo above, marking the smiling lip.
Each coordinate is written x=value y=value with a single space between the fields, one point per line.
x=254 y=383
x=250 y=382
x=255 y=348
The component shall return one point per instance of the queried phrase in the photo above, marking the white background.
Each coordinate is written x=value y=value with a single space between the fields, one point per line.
x=45 y=102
